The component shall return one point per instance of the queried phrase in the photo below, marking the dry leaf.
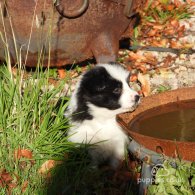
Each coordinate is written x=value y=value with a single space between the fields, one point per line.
x=48 y=165
x=170 y=7
x=134 y=56
x=12 y=185
x=133 y=78
x=150 y=59
x=169 y=31
x=181 y=31
x=146 y=90
x=152 y=32
x=192 y=3
x=22 y=153
x=175 y=23
x=167 y=61
x=175 y=44
x=142 y=68
x=5 y=177
x=62 y=73
x=158 y=26
x=24 y=186
x=155 y=43
x=188 y=45
x=7 y=180
x=177 y=3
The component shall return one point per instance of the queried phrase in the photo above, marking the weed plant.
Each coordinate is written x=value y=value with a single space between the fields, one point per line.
x=29 y=119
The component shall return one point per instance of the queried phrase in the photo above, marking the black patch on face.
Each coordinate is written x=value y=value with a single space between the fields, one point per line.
x=100 y=89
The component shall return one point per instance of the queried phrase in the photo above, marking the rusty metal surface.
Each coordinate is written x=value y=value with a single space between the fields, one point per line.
x=185 y=149
x=93 y=29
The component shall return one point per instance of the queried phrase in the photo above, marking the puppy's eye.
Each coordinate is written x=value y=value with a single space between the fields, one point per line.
x=117 y=91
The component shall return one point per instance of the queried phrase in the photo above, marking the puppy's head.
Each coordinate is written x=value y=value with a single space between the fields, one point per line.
x=103 y=90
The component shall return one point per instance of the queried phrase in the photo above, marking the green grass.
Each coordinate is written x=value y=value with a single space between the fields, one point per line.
x=30 y=120
x=163 y=15
x=159 y=15
x=163 y=88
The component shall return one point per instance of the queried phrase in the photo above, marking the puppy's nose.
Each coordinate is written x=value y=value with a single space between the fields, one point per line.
x=137 y=98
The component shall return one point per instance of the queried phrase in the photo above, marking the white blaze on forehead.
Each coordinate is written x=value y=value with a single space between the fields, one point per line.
x=116 y=71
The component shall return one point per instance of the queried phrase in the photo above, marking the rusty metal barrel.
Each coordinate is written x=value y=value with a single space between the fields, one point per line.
x=61 y=32
x=183 y=149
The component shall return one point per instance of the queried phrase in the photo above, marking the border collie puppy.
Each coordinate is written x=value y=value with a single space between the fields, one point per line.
x=101 y=94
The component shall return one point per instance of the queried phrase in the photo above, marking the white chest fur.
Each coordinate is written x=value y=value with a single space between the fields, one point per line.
x=107 y=135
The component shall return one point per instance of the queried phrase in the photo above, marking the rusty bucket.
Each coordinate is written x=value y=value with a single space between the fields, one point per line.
x=186 y=150
x=60 y=32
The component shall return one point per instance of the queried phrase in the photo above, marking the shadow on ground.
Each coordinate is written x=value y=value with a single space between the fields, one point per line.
x=77 y=176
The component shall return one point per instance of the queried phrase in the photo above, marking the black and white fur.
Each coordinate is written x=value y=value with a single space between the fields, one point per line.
x=101 y=94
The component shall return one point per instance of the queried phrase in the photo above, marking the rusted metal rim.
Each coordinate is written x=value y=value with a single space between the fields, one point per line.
x=73 y=13
x=186 y=150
